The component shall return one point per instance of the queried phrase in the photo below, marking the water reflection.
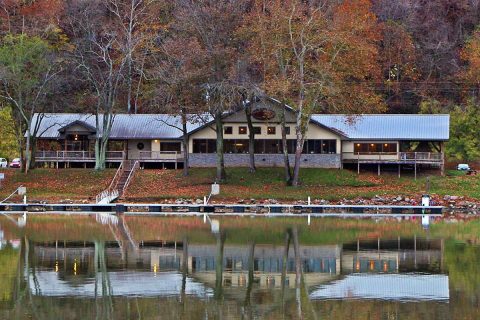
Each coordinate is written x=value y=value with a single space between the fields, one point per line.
x=127 y=278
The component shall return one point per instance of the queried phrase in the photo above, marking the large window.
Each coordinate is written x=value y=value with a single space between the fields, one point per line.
x=375 y=147
x=170 y=146
x=204 y=146
x=242 y=130
x=265 y=146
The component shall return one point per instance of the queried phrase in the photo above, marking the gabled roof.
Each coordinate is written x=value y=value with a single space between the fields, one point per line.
x=79 y=123
x=138 y=126
x=418 y=127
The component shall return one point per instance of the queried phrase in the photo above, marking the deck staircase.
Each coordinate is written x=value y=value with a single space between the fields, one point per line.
x=119 y=183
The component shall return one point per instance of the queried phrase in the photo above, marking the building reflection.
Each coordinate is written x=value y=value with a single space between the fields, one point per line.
x=70 y=265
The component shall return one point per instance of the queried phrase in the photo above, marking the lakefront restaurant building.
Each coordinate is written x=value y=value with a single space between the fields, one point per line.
x=333 y=141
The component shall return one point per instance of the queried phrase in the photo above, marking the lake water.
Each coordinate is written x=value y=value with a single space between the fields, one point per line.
x=102 y=267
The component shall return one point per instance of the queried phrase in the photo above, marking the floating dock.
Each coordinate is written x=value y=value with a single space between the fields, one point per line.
x=225 y=209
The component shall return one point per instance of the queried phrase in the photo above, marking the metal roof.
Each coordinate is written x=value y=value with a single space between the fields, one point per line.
x=349 y=127
x=432 y=127
x=125 y=126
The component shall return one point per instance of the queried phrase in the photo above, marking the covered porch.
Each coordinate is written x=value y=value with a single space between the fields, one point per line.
x=401 y=153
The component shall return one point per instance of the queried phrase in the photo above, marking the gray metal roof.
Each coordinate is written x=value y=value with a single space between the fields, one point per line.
x=388 y=126
x=138 y=126
x=356 y=127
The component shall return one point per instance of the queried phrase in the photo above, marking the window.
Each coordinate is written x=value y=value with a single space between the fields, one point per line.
x=375 y=147
x=319 y=146
x=287 y=130
x=271 y=130
x=170 y=146
x=389 y=147
x=204 y=146
x=199 y=146
x=140 y=146
x=242 y=130
x=257 y=130
x=228 y=130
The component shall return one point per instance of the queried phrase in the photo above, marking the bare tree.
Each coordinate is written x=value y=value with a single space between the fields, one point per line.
x=101 y=62
x=213 y=24
x=133 y=18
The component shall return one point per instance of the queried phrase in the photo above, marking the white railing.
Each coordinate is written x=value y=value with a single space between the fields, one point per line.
x=76 y=155
x=136 y=165
x=159 y=155
x=107 y=194
x=394 y=156
x=111 y=191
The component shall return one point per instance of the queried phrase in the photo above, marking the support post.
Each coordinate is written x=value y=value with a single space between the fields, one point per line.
x=399 y=166
x=378 y=166
x=415 y=165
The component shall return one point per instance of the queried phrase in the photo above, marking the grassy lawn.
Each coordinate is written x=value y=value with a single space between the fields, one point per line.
x=266 y=183
x=328 y=184
x=55 y=185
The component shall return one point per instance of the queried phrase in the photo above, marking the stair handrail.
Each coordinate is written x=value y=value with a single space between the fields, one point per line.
x=117 y=176
x=135 y=166
x=111 y=188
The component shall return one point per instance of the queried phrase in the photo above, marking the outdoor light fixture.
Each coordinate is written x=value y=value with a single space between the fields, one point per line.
x=76 y=137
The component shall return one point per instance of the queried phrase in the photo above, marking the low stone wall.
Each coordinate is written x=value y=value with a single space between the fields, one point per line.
x=265 y=160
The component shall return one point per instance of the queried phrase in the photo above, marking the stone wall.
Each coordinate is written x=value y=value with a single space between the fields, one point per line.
x=265 y=160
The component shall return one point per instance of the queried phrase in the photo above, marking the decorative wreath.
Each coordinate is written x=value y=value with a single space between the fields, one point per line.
x=263 y=114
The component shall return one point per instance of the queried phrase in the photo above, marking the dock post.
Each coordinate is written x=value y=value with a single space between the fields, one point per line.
x=415 y=170
x=309 y=202
x=358 y=167
x=378 y=165
x=308 y=219
x=399 y=166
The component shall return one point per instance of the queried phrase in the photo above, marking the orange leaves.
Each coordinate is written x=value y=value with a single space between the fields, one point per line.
x=471 y=55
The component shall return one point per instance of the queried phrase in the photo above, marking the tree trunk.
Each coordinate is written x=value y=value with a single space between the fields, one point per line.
x=100 y=153
x=27 y=150
x=251 y=139
x=286 y=160
x=185 y=143
x=33 y=148
x=300 y=134
x=221 y=174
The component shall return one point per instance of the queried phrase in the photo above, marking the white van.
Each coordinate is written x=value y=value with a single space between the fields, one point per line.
x=3 y=163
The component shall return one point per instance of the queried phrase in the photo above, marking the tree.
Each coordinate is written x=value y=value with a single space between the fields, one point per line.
x=178 y=73
x=101 y=62
x=316 y=57
x=9 y=146
x=398 y=63
x=464 y=134
x=213 y=24
x=134 y=18
x=470 y=75
x=27 y=68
